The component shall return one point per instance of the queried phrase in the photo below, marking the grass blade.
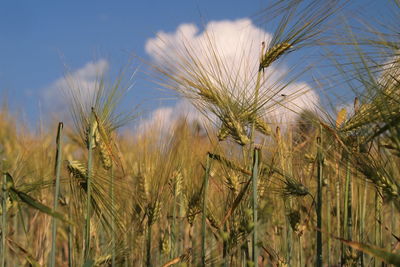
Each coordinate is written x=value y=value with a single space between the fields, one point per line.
x=56 y=194
x=33 y=203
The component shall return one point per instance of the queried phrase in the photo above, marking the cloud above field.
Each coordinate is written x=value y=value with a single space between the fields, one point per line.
x=82 y=81
x=238 y=45
x=164 y=118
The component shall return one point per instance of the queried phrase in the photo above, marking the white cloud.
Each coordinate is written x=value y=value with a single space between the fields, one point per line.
x=238 y=44
x=82 y=81
x=163 y=119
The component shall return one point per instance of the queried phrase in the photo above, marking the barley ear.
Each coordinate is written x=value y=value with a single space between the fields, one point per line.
x=273 y=53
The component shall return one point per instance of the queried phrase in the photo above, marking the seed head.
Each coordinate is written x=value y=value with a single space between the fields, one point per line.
x=273 y=53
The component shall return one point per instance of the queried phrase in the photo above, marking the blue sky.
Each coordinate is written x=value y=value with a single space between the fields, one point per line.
x=38 y=37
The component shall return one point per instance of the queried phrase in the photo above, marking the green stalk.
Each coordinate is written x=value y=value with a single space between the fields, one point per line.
x=338 y=210
x=255 y=181
x=89 y=188
x=329 y=228
x=360 y=211
x=362 y=219
x=378 y=222
x=255 y=168
x=319 y=203
x=4 y=222
x=347 y=220
x=350 y=203
x=112 y=220
x=204 y=211
x=56 y=194
x=256 y=94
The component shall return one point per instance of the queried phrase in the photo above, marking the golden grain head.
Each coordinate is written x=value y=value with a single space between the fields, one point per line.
x=153 y=212
x=341 y=117
x=223 y=133
x=77 y=169
x=142 y=188
x=273 y=54
x=165 y=246
x=232 y=182
x=105 y=156
x=263 y=127
x=295 y=188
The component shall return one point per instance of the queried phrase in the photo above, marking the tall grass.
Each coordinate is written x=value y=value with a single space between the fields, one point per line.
x=56 y=193
x=295 y=196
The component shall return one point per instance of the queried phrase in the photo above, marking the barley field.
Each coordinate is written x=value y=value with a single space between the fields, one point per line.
x=241 y=185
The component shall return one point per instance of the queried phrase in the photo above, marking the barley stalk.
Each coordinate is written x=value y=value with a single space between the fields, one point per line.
x=56 y=193
x=338 y=214
x=255 y=206
x=204 y=212
x=91 y=141
x=328 y=218
x=363 y=218
x=347 y=220
x=4 y=225
x=113 y=253
x=319 y=203
x=378 y=221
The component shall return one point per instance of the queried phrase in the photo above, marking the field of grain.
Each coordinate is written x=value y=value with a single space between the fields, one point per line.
x=239 y=188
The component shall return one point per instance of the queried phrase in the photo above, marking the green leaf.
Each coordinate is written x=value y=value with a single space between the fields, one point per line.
x=37 y=205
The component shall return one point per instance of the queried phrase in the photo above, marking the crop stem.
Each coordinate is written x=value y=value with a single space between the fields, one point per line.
x=56 y=194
